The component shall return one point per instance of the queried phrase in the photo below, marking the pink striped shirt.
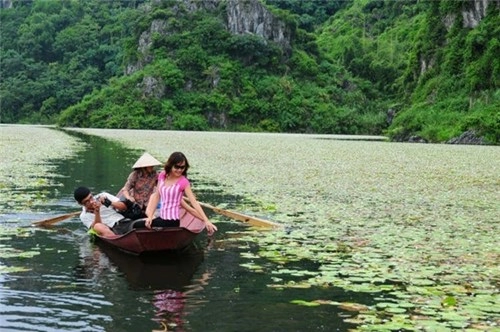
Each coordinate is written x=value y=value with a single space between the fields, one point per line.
x=171 y=197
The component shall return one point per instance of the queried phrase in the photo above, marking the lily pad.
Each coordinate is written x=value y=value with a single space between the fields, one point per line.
x=305 y=303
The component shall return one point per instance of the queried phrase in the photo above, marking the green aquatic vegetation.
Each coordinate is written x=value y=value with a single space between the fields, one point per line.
x=449 y=301
x=63 y=286
x=12 y=269
x=290 y=284
x=305 y=303
x=292 y=272
x=11 y=253
x=252 y=266
x=409 y=222
x=26 y=164
x=7 y=252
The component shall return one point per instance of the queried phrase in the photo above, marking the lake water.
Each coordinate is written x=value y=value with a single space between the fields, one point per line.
x=377 y=236
x=72 y=284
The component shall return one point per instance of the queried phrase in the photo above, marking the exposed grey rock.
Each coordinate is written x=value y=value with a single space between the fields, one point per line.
x=468 y=137
x=218 y=119
x=6 y=4
x=416 y=139
x=449 y=20
x=194 y=5
x=145 y=43
x=473 y=16
x=243 y=17
x=390 y=115
x=151 y=87
x=426 y=65
x=251 y=17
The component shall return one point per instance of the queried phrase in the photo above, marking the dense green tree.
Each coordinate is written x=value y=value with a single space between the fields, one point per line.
x=349 y=62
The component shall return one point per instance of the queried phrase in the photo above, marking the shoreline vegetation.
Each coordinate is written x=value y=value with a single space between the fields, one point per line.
x=414 y=71
x=414 y=222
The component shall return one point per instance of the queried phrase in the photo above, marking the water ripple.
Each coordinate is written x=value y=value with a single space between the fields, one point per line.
x=70 y=311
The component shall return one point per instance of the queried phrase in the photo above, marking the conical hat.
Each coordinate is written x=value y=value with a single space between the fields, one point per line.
x=146 y=160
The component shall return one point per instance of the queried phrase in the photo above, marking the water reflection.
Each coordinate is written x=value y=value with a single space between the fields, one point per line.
x=104 y=166
x=158 y=271
x=167 y=276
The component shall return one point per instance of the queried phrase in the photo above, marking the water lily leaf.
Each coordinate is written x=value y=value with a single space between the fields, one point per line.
x=406 y=305
x=431 y=325
x=298 y=285
x=395 y=310
x=252 y=266
x=248 y=255
x=449 y=301
x=12 y=253
x=384 y=305
x=305 y=303
x=28 y=254
x=327 y=302
x=12 y=269
x=422 y=282
x=350 y=306
x=428 y=312
x=453 y=316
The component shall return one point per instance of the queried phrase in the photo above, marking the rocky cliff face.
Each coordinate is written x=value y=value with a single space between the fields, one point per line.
x=6 y=4
x=472 y=15
x=242 y=17
x=145 y=42
x=251 y=17
x=477 y=12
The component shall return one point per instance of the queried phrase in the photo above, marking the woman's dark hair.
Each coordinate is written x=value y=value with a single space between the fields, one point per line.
x=175 y=159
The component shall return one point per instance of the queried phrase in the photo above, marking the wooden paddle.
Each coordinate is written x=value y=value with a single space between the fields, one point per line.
x=254 y=221
x=54 y=220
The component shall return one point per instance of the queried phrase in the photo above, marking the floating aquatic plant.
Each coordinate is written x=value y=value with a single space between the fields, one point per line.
x=26 y=164
x=413 y=223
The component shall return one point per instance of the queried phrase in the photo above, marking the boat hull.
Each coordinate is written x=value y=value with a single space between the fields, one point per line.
x=143 y=240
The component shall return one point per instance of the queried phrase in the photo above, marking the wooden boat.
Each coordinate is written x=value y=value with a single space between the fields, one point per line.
x=144 y=240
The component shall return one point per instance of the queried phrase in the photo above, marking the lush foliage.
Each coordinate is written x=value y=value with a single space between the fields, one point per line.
x=441 y=81
x=55 y=52
x=350 y=62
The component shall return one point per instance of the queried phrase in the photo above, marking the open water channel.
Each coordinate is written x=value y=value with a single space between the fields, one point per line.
x=72 y=284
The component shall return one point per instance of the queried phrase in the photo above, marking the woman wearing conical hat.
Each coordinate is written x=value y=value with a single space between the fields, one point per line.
x=141 y=182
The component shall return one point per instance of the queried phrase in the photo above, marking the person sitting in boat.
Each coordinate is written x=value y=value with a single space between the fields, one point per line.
x=140 y=184
x=101 y=212
x=172 y=185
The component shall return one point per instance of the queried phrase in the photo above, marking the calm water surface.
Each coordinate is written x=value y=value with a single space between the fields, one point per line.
x=76 y=285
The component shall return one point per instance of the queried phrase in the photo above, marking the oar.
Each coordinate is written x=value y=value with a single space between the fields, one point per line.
x=231 y=214
x=254 y=221
x=51 y=221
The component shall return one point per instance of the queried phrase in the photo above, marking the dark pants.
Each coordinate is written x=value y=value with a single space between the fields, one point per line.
x=134 y=211
x=123 y=226
x=157 y=222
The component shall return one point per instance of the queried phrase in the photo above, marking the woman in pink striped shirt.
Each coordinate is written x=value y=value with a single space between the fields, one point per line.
x=172 y=185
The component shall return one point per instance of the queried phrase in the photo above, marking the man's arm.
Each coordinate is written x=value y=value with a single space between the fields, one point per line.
x=114 y=202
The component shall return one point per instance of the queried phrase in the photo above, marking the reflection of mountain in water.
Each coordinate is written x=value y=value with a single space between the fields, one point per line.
x=159 y=271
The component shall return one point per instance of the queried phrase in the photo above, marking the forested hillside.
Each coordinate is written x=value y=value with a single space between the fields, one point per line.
x=413 y=70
